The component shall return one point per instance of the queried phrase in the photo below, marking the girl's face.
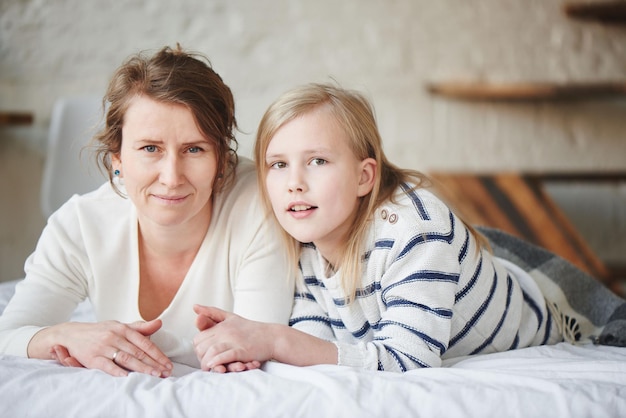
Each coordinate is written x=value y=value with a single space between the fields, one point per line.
x=167 y=164
x=314 y=181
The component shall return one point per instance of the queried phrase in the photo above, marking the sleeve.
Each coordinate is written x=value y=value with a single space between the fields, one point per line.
x=264 y=283
x=417 y=290
x=308 y=314
x=53 y=286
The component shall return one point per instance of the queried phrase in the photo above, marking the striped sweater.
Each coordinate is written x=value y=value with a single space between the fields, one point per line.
x=427 y=293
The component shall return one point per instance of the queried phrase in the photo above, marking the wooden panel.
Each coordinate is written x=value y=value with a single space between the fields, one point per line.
x=515 y=92
x=518 y=205
x=15 y=118
x=602 y=11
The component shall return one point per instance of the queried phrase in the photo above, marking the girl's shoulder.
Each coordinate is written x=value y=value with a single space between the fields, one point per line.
x=411 y=204
x=413 y=214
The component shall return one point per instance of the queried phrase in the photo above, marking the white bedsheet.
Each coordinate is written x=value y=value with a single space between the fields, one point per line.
x=549 y=381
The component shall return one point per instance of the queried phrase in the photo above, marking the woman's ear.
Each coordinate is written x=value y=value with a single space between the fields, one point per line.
x=116 y=163
x=368 y=176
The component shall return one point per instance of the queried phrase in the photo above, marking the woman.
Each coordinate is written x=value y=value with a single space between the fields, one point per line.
x=177 y=224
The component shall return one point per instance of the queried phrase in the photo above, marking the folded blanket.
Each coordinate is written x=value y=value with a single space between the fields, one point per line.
x=584 y=309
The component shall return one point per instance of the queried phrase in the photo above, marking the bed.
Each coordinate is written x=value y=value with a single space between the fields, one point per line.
x=557 y=381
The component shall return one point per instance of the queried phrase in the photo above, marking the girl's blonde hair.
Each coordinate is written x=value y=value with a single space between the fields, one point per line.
x=355 y=115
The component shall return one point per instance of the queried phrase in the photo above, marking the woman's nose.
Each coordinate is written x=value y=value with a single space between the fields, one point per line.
x=171 y=172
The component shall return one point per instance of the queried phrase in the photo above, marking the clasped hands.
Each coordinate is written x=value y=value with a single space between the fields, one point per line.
x=230 y=343
x=224 y=344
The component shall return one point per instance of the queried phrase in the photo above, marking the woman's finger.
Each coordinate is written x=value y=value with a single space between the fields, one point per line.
x=130 y=354
x=61 y=354
x=252 y=365
x=133 y=349
x=129 y=362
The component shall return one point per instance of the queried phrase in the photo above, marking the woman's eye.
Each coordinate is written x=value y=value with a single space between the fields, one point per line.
x=194 y=150
x=278 y=164
x=318 y=161
x=150 y=148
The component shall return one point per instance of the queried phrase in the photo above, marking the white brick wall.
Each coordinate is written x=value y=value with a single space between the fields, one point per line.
x=388 y=49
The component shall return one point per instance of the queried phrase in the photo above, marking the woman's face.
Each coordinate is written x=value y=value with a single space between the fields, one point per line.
x=167 y=164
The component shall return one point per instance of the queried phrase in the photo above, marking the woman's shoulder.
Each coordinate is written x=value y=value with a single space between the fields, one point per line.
x=96 y=217
x=242 y=196
x=105 y=194
x=244 y=180
x=245 y=174
x=98 y=205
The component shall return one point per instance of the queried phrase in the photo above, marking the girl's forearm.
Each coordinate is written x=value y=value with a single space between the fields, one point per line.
x=298 y=348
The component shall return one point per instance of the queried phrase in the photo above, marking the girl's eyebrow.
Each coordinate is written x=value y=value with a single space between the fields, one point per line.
x=315 y=151
x=273 y=156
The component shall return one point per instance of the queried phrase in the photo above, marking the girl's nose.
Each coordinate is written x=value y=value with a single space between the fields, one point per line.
x=296 y=182
x=296 y=188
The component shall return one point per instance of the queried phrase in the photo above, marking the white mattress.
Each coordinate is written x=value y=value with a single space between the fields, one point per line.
x=556 y=381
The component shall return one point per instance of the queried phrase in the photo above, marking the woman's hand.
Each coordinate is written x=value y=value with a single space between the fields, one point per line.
x=228 y=342
x=110 y=346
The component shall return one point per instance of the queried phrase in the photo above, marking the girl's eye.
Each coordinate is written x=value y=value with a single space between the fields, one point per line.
x=278 y=165
x=318 y=161
x=150 y=148
x=194 y=150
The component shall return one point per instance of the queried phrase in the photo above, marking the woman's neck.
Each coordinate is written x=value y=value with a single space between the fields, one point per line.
x=165 y=256
x=173 y=241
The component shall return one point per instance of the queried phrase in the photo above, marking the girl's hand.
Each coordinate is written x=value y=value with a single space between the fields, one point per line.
x=110 y=346
x=228 y=342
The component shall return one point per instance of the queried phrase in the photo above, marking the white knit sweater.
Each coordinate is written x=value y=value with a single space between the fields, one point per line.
x=426 y=293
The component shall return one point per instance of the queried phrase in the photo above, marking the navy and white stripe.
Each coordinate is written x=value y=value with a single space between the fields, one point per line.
x=426 y=293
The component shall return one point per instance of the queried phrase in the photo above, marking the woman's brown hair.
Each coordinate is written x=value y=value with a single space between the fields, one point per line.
x=177 y=77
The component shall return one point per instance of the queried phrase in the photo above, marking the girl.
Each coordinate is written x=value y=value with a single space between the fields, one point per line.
x=391 y=278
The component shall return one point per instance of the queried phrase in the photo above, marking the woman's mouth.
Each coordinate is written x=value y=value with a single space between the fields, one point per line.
x=170 y=199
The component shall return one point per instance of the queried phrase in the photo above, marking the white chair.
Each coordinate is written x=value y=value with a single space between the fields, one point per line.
x=70 y=167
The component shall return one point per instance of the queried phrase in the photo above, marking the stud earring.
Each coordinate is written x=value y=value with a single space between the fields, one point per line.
x=116 y=172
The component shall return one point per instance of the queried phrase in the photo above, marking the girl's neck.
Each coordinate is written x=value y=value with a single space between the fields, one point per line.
x=332 y=258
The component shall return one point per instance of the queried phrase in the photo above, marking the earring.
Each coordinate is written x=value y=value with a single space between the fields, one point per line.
x=116 y=172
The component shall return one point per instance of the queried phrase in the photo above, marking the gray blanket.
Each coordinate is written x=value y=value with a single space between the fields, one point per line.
x=583 y=308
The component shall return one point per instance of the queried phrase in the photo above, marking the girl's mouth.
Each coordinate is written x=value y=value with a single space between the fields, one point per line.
x=300 y=208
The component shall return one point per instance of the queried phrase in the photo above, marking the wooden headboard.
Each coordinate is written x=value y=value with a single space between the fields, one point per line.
x=518 y=204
